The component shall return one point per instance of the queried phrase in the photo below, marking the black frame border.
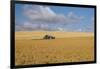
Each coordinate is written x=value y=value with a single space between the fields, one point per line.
x=12 y=34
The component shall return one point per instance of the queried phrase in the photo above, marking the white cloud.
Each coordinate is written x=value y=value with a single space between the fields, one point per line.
x=39 y=18
x=60 y=29
x=45 y=14
x=73 y=17
x=28 y=26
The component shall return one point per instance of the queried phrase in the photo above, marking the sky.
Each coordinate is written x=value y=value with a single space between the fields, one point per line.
x=30 y=17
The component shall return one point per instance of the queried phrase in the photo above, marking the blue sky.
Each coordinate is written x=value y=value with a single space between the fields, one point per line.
x=53 y=18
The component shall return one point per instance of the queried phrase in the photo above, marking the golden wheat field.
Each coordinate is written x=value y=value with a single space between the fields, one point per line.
x=30 y=48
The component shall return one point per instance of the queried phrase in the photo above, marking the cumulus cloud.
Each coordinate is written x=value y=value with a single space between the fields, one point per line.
x=28 y=26
x=45 y=14
x=40 y=18
x=60 y=29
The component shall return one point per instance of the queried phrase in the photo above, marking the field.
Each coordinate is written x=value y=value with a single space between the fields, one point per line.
x=30 y=48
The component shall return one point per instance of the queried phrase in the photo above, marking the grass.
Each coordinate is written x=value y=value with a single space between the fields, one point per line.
x=67 y=49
